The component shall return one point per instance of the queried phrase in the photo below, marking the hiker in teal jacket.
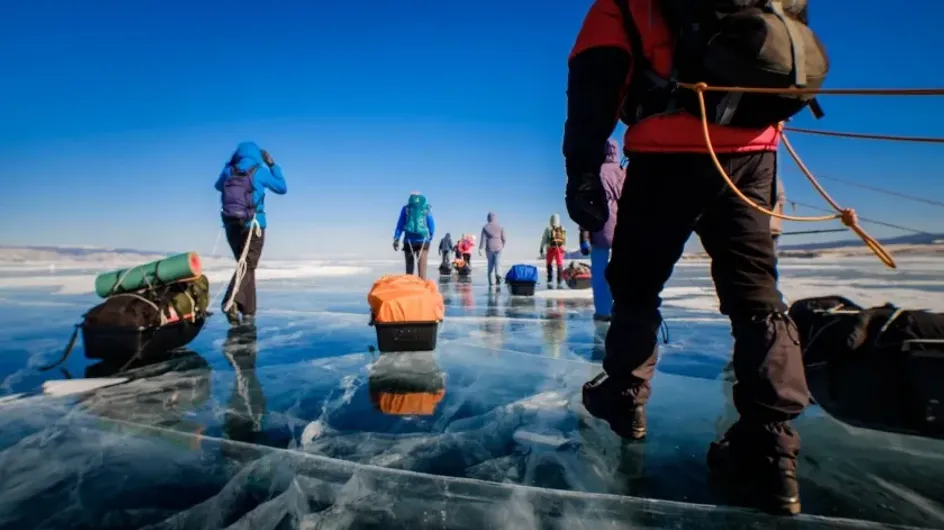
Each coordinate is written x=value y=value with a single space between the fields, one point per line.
x=417 y=227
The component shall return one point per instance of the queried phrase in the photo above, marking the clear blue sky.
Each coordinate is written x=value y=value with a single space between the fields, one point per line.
x=116 y=117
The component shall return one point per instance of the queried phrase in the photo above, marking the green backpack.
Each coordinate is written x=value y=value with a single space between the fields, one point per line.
x=416 y=211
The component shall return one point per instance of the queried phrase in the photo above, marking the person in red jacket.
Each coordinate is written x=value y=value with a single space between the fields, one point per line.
x=677 y=190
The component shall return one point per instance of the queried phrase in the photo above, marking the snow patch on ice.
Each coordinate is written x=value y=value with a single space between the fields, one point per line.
x=312 y=432
x=79 y=386
x=565 y=294
x=85 y=283
x=877 y=293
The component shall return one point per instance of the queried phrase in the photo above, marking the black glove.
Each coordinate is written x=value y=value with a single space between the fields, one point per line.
x=267 y=158
x=396 y=245
x=586 y=201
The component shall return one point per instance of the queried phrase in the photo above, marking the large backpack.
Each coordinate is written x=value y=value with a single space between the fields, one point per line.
x=154 y=306
x=238 y=204
x=557 y=236
x=743 y=43
x=416 y=211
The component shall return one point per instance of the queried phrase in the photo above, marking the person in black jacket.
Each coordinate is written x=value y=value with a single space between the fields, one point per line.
x=445 y=247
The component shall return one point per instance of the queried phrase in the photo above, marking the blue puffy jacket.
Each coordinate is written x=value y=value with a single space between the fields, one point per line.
x=250 y=155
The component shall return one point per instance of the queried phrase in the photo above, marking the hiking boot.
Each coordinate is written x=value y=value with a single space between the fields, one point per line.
x=498 y=280
x=764 y=483
x=613 y=403
x=232 y=316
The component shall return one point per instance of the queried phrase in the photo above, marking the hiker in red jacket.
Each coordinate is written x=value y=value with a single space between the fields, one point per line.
x=627 y=48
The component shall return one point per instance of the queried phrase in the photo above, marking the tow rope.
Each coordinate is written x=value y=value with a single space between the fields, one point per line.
x=846 y=215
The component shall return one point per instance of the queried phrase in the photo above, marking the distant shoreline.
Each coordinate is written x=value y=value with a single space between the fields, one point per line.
x=933 y=250
x=93 y=256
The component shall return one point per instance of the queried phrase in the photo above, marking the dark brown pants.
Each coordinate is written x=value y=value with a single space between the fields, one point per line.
x=246 y=295
x=416 y=255
x=669 y=196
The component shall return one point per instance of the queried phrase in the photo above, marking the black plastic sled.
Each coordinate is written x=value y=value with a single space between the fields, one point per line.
x=119 y=344
x=521 y=288
x=406 y=336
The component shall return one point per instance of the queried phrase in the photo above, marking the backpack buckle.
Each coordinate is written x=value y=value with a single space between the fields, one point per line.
x=671 y=86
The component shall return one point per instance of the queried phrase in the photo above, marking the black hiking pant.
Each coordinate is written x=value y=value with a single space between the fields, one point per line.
x=669 y=196
x=246 y=294
x=416 y=255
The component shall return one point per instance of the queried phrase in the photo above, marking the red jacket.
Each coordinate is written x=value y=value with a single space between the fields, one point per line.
x=679 y=132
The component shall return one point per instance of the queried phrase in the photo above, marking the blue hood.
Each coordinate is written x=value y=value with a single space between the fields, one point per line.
x=247 y=155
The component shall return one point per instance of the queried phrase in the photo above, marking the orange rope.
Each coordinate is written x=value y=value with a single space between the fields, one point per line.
x=893 y=138
x=702 y=87
x=846 y=215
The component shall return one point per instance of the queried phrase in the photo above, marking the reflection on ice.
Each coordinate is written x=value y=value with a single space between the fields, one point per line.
x=297 y=424
x=406 y=384
x=504 y=429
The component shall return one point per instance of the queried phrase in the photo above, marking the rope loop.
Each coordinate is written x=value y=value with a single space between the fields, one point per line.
x=847 y=216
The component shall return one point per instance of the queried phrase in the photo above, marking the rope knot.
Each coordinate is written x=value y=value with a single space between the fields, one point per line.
x=849 y=217
x=700 y=86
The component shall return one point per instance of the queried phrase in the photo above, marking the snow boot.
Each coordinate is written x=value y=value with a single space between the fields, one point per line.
x=613 y=403
x=232 y=316
x=765 y=482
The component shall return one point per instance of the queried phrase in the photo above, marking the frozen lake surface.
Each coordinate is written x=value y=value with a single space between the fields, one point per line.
x=303 y=426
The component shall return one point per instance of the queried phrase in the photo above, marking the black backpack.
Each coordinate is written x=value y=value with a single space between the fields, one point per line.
x=744 y=43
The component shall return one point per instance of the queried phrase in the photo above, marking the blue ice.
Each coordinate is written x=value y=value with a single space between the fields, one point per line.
x=304 y=426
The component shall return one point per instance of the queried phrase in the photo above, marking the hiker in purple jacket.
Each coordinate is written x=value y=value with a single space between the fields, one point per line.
x=612 y=176
x=493 y=241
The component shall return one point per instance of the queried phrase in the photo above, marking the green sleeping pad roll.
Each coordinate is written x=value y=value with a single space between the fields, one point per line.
x=161 y=272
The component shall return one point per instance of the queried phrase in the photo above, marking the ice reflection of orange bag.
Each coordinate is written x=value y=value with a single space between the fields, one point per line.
x=406 y=384
x=408 y=404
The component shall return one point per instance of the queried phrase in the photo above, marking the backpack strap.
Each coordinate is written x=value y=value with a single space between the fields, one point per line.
x=798 y=52
x=643 y=77
x=796 y=45
x=640 y=62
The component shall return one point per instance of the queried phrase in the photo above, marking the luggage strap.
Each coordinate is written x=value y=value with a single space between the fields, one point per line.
x=65 y=353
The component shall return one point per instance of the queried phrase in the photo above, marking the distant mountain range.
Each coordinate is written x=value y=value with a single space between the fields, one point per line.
x=914 y=239
x=80 y=250
x=910 y=244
